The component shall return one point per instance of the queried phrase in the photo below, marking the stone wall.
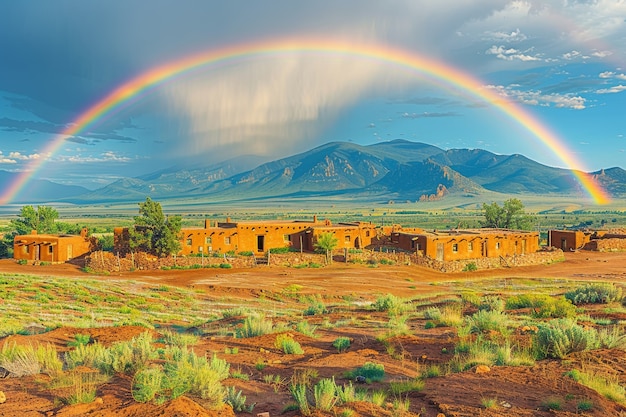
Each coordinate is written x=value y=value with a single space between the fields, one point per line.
x=107 y=262
x=607 y=245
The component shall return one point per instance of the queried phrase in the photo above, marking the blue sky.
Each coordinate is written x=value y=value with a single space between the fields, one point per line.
x=564 y=61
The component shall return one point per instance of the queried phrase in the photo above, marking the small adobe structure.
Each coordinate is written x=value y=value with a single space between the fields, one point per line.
x=596 y=240
x=455 y=245
x=51 y=248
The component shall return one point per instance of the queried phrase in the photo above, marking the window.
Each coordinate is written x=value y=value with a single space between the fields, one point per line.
x=227 y=240
x=367 y=233
x=208 y=240
x=455 y=247
x=347 y=239
x=287 y=238
x=25 y=249
x=188 y=241
x=497 y=245
x=470 y=246
x=50 y=249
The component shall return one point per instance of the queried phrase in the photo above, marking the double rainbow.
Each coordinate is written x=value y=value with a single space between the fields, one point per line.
x=422 y=65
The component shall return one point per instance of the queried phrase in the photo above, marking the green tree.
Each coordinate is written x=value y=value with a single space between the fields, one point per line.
x=41 y=219
x=153 y=232
x=326 y=242
x=510 y=216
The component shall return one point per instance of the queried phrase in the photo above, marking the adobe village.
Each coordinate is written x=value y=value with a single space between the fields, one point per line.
x=313 y=318
x=444 y=250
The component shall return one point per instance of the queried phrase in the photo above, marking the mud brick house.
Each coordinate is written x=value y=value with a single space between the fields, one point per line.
x=261 y=236
x=452 y=245
x=51 y=248
x=599 y=240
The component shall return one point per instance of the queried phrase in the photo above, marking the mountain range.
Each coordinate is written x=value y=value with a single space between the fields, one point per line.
x=397 y=169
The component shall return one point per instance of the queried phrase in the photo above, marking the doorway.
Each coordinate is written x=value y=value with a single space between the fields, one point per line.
x=260 y=243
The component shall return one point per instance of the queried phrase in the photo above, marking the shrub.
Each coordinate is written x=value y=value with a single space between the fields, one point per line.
x=179 y=339
x=595 y=293
x=470 y=266
x=298 y=391
x=255 y=325
x=491 y=303
x=315 y=308
x=487 y=320
x=26 y=360
x=306 y=328
x=146 y=384
x=288 y=345
x=341 y=343
x=391 y=304
x=606 y=385
x=324 y=394
x=561 y=337
x=543 y=306
x=237 y=400
x=370 y=371
x=79 y=339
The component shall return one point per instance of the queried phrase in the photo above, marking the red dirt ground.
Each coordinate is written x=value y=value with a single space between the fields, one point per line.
x=519 y=391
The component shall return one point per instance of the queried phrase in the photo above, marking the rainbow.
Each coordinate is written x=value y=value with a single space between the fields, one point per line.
x=417 y=63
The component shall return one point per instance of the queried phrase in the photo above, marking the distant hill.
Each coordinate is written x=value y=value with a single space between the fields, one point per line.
x=397 y=169
x=37 y=191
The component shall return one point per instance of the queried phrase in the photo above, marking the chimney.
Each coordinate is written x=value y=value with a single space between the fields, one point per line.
x=315 y=218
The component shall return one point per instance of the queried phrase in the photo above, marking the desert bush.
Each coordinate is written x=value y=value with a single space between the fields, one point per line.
x=299 y=393
x=491 y=303
x=341 y=343
x=595 y=293
x=79 y=339
x=179 y=339
x=26 y=360
x=470 y=266
x=324 y=394
x=543 y=306
x=147 y=384
x=391 y=304
x=372 y=372
x=306 y=328
x=401 y=387
x=315 y=308
x=130 y=356
x=561 y=337
x=77 y=387
x=612 y=338
x=488 y=320
x=288 y=345
x=94 y=355
x=255 y=325
x=346 y=393
x=606 y=385
x=237 y=400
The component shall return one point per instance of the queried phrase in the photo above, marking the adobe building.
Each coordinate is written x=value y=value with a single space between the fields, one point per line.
x=51 y=248
x=453 y=245
x=599 y=240
x=260 y=236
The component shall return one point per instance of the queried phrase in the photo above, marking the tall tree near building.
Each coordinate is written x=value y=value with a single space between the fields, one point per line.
x=326 y=242
x=510 y=216
x=153 y=232
x=40 y=219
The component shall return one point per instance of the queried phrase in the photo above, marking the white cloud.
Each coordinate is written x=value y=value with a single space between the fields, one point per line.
x=611 y=90
x=569 y=56
x=602 y=54
x=511 y=54
x=536 y=98
x=108 y=156
x=515 y=36
x=21 y=157
x=611 y=74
